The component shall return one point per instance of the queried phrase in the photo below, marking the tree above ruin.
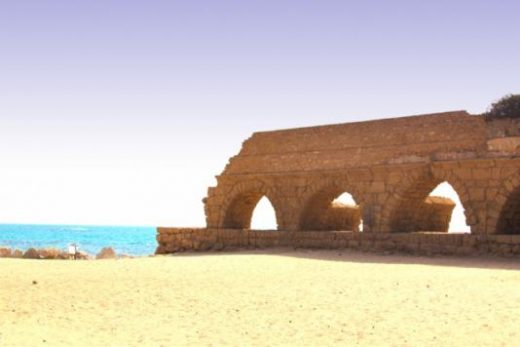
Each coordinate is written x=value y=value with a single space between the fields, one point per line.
x=506 y=107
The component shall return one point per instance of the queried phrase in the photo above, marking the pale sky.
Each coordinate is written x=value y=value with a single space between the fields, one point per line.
x=122 y=112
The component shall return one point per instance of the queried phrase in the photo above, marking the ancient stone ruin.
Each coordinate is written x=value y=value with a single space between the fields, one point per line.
x=389 y=166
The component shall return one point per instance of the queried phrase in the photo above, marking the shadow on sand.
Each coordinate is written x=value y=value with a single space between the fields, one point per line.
x=480 y=262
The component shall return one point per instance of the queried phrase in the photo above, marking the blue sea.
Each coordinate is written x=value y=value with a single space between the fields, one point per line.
x=135 y=241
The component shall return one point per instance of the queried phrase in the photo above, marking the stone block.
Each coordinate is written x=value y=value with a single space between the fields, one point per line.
x=469 y=241
x=504 y=239
x=353 y=244
x=377 y=187
x=465 y=250
x=477 y=194
x=481 y=174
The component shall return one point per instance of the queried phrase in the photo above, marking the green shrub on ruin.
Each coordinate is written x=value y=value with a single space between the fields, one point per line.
x=507 y=107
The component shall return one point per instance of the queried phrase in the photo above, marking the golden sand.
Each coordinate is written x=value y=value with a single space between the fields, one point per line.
x=275 y=298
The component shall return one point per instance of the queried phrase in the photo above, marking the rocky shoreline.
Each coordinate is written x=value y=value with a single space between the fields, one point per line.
x=54 y=253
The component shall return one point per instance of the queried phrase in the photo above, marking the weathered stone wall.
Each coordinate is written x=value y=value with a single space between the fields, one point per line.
x=430 y=214
x=433 y=214
x=173 y=240
x=389 y=166
x=380 y=142
x=502 y=127
x=486 y=188
x=335 y=216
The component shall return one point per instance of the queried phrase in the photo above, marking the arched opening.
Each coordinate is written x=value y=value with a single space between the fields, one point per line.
x=264 y=216
x=346 y=201
x=332 y=210
x=457 y=223
x=430 y=206
x=509 y=218
x=240 y=212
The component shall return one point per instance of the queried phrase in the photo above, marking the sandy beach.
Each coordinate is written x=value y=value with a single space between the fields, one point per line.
x=278 y=297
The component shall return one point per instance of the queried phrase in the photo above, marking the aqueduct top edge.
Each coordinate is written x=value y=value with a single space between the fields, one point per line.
x=426 y=138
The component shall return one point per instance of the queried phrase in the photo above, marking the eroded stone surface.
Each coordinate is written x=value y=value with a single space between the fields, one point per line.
x=389 y=167
x=173 y=240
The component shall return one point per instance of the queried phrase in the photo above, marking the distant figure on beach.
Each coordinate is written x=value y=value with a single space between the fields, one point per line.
x=72 y=251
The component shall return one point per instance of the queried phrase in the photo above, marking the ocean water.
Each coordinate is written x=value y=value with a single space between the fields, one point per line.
x=135 y=241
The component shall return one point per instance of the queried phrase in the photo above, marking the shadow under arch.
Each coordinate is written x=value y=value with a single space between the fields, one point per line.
x=239 y=211
x=321 y=212
x=509 y=217
x=416 y=210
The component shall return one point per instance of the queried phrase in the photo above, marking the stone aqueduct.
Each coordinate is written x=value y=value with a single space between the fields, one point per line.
x=389 y=166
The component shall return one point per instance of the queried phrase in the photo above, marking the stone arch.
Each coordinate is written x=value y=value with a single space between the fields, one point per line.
x=407 y=202
x=241 y=202
x=319 y=213
x=504 y=215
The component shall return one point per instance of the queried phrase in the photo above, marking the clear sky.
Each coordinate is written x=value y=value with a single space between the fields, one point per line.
x=122 y=112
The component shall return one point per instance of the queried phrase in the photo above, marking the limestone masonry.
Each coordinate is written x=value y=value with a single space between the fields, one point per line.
x=389 y=166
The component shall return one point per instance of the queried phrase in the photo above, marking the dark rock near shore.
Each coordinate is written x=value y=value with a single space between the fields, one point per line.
x=106 y=253
x=31 y=253
x=52 y=253
x=82 y=256
x=44 y=253
x=5 y=252
x=17 y=254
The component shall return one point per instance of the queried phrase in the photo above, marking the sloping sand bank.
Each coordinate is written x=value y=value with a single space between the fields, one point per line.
x=275 y=298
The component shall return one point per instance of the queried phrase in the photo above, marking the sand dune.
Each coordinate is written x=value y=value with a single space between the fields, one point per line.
x=275 y=298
